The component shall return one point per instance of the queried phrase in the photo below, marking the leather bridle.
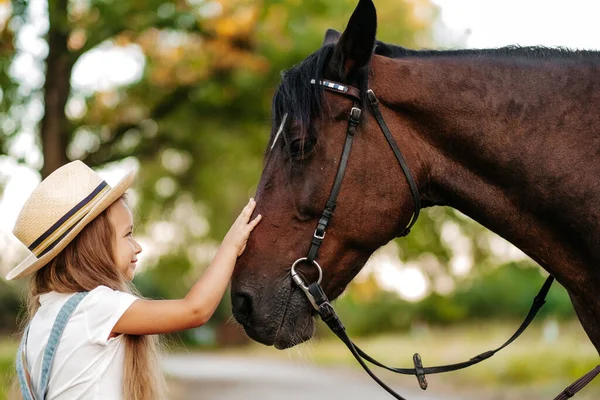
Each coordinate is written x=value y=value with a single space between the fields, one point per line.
x=319 y=300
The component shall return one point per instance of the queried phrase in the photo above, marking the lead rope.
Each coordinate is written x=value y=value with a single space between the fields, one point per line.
x=329 y=316
x=578 y=384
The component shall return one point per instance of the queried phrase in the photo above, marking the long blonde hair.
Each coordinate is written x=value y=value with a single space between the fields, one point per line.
x=86 y=263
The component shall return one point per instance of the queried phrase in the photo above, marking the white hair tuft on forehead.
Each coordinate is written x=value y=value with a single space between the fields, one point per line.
x=279 y=131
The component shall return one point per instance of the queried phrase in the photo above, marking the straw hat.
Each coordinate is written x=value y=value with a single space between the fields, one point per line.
x=58 y=209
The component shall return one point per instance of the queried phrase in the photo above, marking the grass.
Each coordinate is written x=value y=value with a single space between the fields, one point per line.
x=529 y=368
x=8 y=349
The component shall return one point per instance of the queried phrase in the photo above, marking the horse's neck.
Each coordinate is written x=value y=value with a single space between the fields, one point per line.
x=514 y=148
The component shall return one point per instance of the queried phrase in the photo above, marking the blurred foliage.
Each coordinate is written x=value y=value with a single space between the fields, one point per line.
x=504 y=293
x=197 y=122
x=9 y=307
x=508 y=292
x=197 y=119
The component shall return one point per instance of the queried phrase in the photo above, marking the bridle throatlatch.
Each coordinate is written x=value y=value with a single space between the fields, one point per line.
x=319 y=300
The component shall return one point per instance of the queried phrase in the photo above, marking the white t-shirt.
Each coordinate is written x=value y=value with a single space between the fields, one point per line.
x=87 y=364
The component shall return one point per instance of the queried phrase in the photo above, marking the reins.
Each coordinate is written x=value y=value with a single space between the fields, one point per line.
x=319 y=300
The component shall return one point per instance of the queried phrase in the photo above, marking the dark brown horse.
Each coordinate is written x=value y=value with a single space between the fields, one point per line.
x=510 y=137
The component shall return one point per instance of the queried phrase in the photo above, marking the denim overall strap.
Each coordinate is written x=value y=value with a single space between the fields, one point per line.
x=22 y=372
x=57 y=330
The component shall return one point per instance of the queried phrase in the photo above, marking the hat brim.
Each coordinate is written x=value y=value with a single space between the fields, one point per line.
x=32 y=263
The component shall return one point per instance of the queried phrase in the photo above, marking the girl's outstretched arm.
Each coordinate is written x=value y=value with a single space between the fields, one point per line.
x=148 y=317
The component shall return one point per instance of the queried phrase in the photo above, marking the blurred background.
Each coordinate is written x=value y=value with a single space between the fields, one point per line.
x=181 y=92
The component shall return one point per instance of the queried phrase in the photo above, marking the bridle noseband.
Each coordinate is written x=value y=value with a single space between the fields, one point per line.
x=319 y=300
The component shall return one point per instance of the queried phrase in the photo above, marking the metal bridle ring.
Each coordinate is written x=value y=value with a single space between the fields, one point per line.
x=316 y=264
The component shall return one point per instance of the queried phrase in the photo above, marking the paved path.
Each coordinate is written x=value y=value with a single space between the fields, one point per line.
x=220 y=377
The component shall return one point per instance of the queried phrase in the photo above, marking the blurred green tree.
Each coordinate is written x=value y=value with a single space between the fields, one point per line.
x=196 y=119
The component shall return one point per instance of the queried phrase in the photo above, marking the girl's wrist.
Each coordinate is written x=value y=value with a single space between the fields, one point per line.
x=227 y=246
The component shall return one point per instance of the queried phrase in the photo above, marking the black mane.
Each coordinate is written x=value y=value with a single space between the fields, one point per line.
x=302 y=100
x=531 y=52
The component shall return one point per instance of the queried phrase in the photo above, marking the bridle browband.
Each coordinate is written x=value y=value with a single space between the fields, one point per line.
x=319 y=300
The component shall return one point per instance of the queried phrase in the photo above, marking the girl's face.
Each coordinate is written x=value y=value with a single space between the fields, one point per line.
x=125 y=248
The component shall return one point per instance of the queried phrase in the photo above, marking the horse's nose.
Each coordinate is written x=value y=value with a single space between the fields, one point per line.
x=242 y=307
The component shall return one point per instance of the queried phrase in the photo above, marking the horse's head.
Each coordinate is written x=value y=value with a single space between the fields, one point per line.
x=308 y=134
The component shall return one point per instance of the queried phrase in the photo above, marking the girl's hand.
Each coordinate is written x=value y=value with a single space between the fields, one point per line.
x=240 y=230
x=151 y=317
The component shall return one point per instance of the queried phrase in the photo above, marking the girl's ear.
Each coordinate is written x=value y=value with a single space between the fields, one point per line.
x=355 y=46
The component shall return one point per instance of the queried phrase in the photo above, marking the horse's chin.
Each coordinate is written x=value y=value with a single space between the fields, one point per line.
x=295 y=325
x=298 y=323
x=295 y=330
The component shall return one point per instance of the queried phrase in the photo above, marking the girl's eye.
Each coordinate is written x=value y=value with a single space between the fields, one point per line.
x=130 y=234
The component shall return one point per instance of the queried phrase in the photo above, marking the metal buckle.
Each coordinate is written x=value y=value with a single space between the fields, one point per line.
x=372 y=97
x=297 y=278
x=317 y=236
x=355 y=114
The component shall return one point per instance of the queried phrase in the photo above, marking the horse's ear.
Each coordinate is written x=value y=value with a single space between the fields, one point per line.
x=331 y=36
x=355 y=46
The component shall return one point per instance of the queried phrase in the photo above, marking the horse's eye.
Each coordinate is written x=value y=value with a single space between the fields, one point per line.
x=299 y=148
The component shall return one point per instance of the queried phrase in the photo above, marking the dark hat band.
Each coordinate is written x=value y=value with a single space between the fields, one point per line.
x=49 y=239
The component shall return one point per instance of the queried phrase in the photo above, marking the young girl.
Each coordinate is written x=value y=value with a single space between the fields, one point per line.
x=88 y=335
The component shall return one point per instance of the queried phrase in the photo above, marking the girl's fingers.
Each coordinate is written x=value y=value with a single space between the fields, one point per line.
x=255 y=221
x=249 y=209
x=246 y=212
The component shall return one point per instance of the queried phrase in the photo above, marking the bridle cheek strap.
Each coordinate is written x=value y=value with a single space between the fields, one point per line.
x=319 y=234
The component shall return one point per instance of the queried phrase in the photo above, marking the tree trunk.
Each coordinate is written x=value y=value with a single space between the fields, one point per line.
x=59 y=63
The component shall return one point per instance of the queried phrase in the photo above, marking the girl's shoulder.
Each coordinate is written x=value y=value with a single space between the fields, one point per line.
x=104 y=290
x=105 y=295
x=97 y=291
x=54 y=297
x=102 y=308
x=101 y=296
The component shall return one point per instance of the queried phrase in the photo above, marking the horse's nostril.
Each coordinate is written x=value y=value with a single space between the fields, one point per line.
x=242 y=307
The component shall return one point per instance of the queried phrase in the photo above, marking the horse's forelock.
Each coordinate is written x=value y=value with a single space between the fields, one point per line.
x=296 y=96
x=300 y=100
